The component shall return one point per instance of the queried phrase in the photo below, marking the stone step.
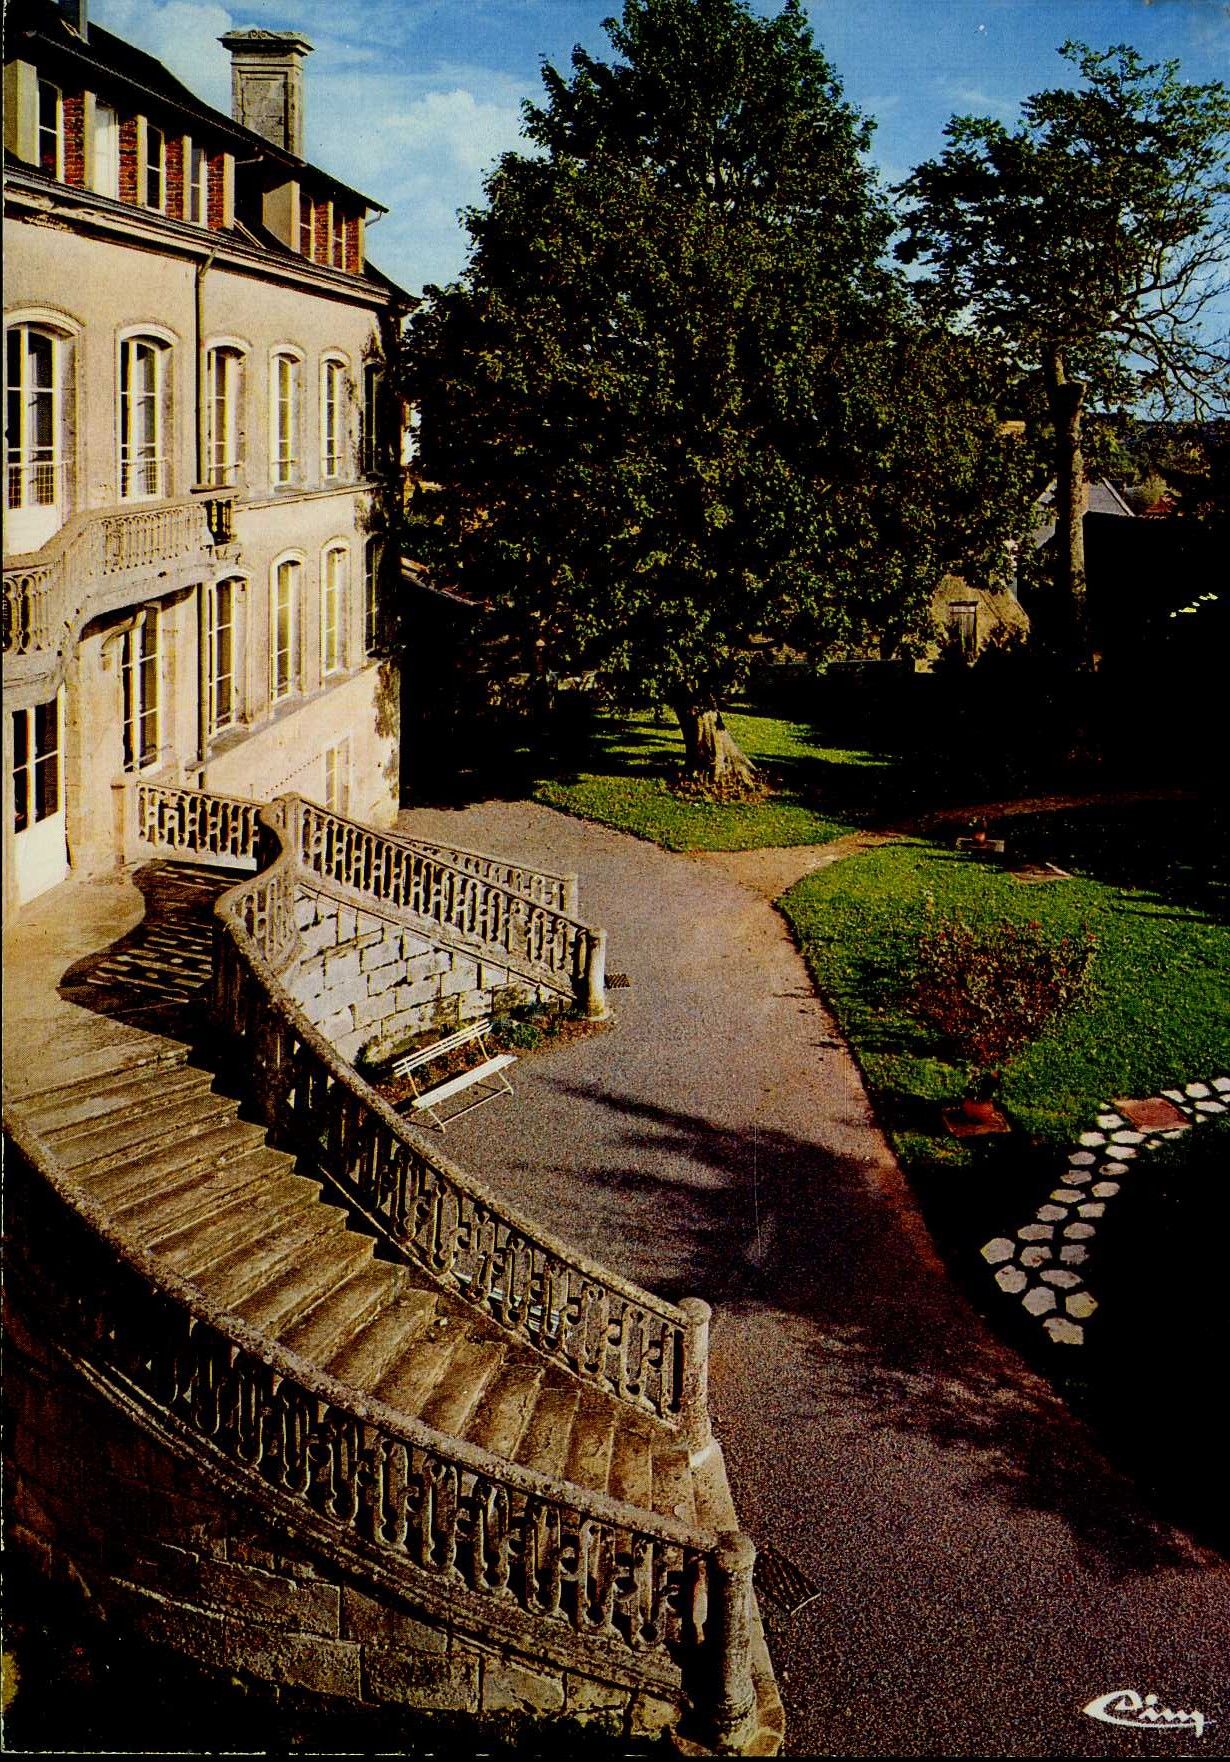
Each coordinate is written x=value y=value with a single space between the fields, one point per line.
x=630 y=1474
x=345 y=1311
x=363 y=1361
x=285 y=1299
x=269 y=1254
x=544 y=1442
x=102 y=1058
x=471 y=1368
x=587 y=1461
x=195 y=1197
x=142 y=1124
x=416 y=1372
x=170 y=1163
x=672 y=1482
x=57 y=1110
x=193 y=1247
x=505 y=1406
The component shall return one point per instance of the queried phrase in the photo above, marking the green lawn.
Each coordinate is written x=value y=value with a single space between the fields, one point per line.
x=1160 y=1013
x=817 y=790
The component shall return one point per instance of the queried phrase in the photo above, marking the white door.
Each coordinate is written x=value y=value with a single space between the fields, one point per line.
x=40 y=852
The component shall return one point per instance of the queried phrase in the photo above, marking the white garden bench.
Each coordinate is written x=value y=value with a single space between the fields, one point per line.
x=489 y=1073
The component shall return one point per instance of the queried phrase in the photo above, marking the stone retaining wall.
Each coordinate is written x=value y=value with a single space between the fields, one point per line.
x=368 y=984
x=159 y=1550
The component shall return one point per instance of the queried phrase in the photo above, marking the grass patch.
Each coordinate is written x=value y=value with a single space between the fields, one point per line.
x=817 y=791
x=1159 y=1014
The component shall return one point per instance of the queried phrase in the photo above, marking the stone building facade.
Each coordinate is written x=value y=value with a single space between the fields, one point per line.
x=197 y=430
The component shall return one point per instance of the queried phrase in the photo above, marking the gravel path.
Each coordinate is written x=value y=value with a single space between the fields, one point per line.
x=983 y=1573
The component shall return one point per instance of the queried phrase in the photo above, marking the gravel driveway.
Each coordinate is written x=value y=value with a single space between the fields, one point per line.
x=982 y=1572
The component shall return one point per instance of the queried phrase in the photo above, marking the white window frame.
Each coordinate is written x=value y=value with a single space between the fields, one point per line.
x=141 y=675
x=105 y=148
x=334 y=607
x=134 y=454
x=284 y=440
x=336 y=759
x=56 y=130
x=196 y=184
x=223 y=712
x=35 y=473
x=286 y=571
x=152 y=132
x=373 y=555
x=25 y=776
x=224 y=390
x=373 y=384
x=333 y=412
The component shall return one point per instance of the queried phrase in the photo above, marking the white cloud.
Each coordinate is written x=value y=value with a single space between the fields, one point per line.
x=181 y=33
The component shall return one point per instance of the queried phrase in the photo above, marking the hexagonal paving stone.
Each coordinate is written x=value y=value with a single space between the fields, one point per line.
x=1105 y=1189
x=1064 y=1332
x=1079 y=1232
x=1093 y=1209
x=1081 y=1159
x=1197 y=1091
x=1074 y=1255
x=1080 y=1304
x=1061 y=1276
x=1078 y=1175
x=1011 y=1279
x=998 y=1249
x=1068 y=1195
x=1127 y=1138
x=1092 y=1138
x=1113 y=1168
x=1051 y=1214
x=1036 y=1232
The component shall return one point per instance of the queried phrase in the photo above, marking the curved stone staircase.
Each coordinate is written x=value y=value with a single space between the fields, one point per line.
x=428 y=1394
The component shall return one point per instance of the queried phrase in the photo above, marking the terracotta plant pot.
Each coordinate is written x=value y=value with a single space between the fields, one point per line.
x=984 y=1112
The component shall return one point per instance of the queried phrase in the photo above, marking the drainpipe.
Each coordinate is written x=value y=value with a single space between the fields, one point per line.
x=202 y=637
x=202 y=270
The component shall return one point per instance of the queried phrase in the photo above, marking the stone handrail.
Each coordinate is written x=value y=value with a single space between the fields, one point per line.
x=45 y=591
x=565 y=954
x=605 y=1330
x=543 y=886
x=495 y=1548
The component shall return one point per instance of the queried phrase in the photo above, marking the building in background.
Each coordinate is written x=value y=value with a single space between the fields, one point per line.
x=197 y=440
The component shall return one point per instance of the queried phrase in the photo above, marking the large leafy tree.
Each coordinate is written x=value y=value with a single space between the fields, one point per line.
x=676 y=404
x=1090 y=245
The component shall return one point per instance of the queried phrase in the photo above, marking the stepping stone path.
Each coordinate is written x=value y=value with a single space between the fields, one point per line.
x=1038 y=1265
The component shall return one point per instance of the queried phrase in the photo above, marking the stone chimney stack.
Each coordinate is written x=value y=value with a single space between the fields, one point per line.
x=267 y=84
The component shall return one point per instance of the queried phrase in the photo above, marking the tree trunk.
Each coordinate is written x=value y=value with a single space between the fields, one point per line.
x=713 y=759
x=1066 y=398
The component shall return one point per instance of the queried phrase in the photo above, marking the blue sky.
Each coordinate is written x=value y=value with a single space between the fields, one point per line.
x=412 y=100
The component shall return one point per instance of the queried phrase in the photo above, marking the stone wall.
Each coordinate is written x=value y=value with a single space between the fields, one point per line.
x=160 y=1551
x=368 y=984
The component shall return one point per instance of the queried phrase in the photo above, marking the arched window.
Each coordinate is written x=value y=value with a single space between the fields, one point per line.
x=140 y=671
x=373 y=552
x=224 y=376
x=223 y=615
x=333 y=610
x=144 y=423
x=332 y=416
x=37 y=433
x=285 y=588
x=285 y=416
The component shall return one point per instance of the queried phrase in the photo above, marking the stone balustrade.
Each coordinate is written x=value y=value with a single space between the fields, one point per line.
x=559 y=892
x=589 y=1582
x=577 y=1576
x=523 y=932
x=46 y=594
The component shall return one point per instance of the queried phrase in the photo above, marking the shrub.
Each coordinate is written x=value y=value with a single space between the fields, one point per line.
x=990 y=992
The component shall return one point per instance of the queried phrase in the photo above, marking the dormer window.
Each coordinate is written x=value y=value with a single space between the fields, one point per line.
x=198 y=187
x=50 y=129
x=155 y=168
x=337 y=238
